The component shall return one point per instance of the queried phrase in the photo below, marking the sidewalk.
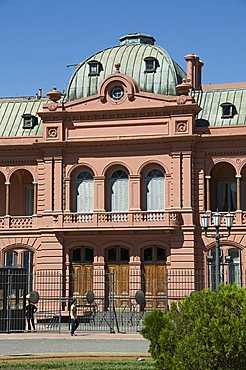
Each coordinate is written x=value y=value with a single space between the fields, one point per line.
x=31 y=345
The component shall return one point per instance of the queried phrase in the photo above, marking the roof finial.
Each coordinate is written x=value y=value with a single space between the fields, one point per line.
x=54 y=95
x=117 y=67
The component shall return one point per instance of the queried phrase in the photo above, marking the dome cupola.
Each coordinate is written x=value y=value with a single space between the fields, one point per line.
x=148 y=64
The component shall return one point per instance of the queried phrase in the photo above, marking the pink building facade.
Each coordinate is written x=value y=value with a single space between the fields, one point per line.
x=115 y=175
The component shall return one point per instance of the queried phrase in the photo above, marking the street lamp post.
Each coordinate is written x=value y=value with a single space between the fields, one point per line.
x=217 y=236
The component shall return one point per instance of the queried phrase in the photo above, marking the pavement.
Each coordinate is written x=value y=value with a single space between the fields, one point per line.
x=36 y=345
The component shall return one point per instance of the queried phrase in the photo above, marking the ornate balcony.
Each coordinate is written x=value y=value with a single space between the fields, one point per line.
x=121 y=219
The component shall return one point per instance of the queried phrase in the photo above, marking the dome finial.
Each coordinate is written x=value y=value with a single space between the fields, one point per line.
x=117 y=67
x=54 y=95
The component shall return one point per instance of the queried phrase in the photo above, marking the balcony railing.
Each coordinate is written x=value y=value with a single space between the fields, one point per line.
x=135 y=219
x=121 y=219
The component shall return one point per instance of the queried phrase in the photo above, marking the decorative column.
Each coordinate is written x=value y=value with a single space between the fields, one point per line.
x=207 y=192
x=99 y=194
x=58 y=176
x=134 y=196
x=176 y=180
x=35 y=186
x=99 y=280
x=67 y=194
x=134 y=279
x=238 y=180
x=187 y=181
x=49 y=184
x=7 y=210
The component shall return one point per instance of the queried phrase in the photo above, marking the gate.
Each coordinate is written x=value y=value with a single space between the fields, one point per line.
x=13 y=290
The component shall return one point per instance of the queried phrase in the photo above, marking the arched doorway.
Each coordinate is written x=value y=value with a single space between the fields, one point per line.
x=154 y=277
x=117 y=276
x=21 y=193
x=223 y=188
x=81 y=260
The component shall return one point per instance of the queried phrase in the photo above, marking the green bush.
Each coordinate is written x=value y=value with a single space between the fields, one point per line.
x=204 y=331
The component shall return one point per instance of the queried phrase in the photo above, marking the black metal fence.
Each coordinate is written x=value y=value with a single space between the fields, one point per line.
x=112 y=302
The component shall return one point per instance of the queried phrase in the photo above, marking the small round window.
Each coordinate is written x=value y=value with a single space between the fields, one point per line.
x=117 y=93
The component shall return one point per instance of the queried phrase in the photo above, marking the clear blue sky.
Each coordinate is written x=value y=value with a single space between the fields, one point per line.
x=39 y=38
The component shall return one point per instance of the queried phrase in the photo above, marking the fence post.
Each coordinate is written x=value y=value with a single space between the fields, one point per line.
x=9 y=287
x=166 y=289
x=111 y=304
x=60 y=304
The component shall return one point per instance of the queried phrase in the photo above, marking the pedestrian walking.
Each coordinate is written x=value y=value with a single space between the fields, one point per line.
x=74 y=317
x=30 y=311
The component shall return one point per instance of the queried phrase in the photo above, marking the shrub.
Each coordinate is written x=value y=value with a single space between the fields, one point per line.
x=206 y=330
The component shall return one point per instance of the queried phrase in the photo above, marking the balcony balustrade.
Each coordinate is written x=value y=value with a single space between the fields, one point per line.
x=121 y=219
x=117 y=220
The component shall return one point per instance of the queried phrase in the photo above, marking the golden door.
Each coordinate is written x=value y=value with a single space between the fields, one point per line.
x=154 y=286
x=82 y=279
x=118 y=284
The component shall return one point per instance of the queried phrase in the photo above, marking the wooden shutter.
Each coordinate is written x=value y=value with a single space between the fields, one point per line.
x=154 y=192
x=85 y=195
x=119 y=195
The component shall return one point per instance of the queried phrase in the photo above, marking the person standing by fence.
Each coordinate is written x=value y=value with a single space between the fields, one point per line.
x=74 y=317
x=30 y=311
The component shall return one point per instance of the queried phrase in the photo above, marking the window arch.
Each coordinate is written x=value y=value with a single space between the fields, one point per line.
x=154 y=190
x=11 y=259
x=82 y=255
x=154 y=255
x=84 y=192
x=117 y=255
x=118 y=185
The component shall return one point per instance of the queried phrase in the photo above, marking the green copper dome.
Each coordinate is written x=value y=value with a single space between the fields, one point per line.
x=149 y=65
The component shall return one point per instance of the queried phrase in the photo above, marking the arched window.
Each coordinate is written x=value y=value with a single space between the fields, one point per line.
x=117 y=255
x=11 y=259
x=84 y=186
x=154 y=190
x=118 y=185
x=234 y=266
x=154 y=255
x=230 y=266
x=82 y=255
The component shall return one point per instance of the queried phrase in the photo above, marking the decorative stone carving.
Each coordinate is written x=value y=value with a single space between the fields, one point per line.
x=52 y=106
x=181 y=126
x=182 y=99
x=52 y=133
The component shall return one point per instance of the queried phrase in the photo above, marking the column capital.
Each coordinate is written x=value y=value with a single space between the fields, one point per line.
x=208 y=177
x=238 y=176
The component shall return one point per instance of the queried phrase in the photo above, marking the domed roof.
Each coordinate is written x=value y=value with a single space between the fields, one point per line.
x=148 y=64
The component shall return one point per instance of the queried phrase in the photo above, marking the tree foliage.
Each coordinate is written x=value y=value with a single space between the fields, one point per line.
x=206 y=330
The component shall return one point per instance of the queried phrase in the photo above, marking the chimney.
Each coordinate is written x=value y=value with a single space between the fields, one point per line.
x=194 y=70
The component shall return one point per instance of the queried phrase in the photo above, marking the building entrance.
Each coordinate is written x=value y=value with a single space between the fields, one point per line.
x=13 y=291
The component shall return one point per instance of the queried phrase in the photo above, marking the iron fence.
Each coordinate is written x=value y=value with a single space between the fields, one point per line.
x=114 y=301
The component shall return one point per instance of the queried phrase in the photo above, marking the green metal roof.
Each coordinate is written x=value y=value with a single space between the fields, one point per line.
x=11 y=121
x=210 y=101
x=130 y=54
